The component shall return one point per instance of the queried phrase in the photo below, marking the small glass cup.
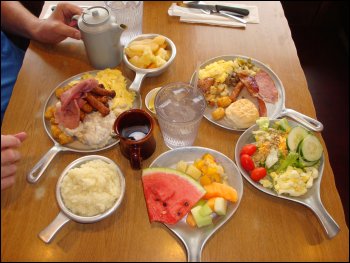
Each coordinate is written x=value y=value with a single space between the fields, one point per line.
x=130 y=14
x=179 y=107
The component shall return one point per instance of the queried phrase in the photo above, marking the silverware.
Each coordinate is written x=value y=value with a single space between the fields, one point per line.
x=224 y=13
x=215 y=8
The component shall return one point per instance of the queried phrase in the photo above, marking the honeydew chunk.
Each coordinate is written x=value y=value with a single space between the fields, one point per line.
x=205 y=210
x=200 y=220
x=193 y=171
x=220 y=206
x=181 y=166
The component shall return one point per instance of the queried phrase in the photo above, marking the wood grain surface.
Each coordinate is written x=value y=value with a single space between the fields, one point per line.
x=264 y=228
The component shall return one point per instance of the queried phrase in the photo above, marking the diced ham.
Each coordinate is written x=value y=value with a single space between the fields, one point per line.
x=267 y=89
x=68 y=114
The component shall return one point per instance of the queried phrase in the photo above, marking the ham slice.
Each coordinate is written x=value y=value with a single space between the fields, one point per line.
x=267 y=89
x=68 y=114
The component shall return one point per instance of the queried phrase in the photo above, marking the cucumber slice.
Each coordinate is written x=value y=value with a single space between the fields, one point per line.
x=296 y=135
x=302 y=163
x=311 y=148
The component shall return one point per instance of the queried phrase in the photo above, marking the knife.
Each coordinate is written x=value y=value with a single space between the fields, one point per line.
x=216 y=8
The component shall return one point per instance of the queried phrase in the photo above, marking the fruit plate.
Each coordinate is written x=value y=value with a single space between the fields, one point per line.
x=195 y=238
x=311 y=199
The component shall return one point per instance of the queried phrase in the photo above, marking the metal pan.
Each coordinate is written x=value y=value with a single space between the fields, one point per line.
x=194 y=239
x=76 y=146
x=311 y=199
x=274 y=111
x=65 y=214
x=142 y=73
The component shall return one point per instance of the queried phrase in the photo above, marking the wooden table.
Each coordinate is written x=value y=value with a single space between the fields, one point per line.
x=264 y=228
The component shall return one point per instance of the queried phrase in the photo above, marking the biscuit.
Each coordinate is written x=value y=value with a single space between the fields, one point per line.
x=242 y=113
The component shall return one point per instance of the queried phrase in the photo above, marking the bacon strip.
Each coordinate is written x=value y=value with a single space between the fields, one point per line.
x=250 y=84
x=262 y=108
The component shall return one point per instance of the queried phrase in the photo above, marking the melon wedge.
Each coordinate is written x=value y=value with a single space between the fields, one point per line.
x=169 y=194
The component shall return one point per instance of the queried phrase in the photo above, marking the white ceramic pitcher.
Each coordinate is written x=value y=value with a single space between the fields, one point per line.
x=101 y=35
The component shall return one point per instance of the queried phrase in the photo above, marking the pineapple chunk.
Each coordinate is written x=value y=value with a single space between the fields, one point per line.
x=193 y=171
x=181 y=166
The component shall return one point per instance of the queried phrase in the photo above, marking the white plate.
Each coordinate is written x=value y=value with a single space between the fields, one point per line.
x=273 y=109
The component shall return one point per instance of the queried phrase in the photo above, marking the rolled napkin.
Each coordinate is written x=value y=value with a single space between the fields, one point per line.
x=192 y=15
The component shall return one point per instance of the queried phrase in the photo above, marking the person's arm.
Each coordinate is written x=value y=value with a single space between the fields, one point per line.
x=16 y=19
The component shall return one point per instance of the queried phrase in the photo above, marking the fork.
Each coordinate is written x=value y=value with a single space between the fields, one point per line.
x=223 y=13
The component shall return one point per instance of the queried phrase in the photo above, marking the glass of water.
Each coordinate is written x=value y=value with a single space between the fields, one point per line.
x=129 y=13
x=179 y=108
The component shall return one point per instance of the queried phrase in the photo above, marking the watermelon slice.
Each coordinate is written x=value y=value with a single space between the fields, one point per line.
x=169 y=194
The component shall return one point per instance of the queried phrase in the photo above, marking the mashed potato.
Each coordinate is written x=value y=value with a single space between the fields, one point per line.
x=91 y=189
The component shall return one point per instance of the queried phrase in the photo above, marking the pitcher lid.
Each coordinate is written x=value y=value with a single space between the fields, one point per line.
x=95 y=15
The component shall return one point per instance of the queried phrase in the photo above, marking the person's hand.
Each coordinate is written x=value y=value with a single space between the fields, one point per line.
x=56 y=28
x=9 y=157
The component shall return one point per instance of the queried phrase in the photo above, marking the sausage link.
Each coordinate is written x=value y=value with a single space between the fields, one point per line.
x=103 y=92
x=236 y=90
x=97 y=105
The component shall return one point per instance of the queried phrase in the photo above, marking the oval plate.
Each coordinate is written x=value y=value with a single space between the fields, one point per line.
x=310 y=199
x=76 y=145
x=195 y=238
x=273 y=110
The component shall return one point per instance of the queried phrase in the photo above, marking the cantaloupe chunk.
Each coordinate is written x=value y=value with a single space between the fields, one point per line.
x=211 y=203
x=220 y=190
x=190 y=220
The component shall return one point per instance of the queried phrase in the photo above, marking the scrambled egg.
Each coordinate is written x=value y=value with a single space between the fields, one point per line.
x=221 y=69
x=113 y=79
x=293 y=181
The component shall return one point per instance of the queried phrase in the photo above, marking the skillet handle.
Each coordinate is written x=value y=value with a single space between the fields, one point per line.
x=310 y=123
x=136 y=84
x=50 y=231
x=330 y=226
x=42 y=164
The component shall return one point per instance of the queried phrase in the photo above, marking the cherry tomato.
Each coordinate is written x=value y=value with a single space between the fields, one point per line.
x=247 y=162
x=258 y=173
x=248 y=149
